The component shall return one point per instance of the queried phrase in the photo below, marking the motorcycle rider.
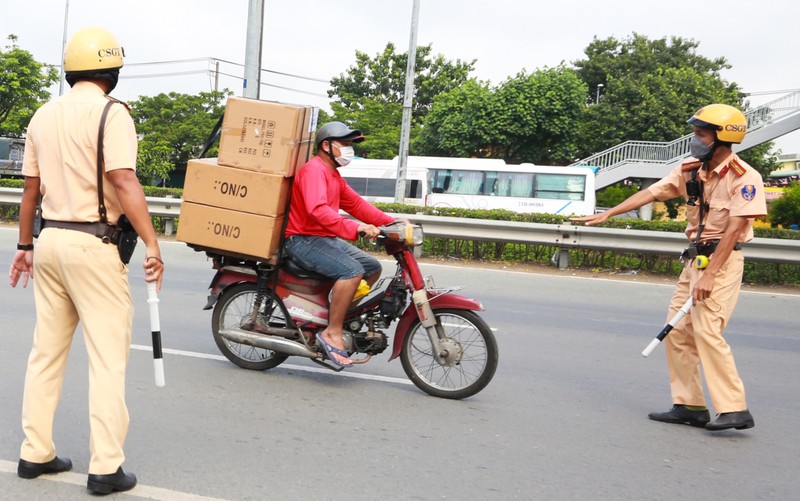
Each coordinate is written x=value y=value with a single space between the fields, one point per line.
x=315 y=230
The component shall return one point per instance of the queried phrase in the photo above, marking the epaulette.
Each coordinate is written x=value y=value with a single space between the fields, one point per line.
x=691 y=165
x=123 y=103
x=736 y=167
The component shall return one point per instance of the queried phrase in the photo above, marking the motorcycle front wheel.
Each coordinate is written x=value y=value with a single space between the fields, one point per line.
x=234 y=309
x=472 y=361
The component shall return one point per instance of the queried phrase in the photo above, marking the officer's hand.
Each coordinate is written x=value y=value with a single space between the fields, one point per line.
x=591 y=220
x=703 y=287
x=21 y=266
x=154 y=270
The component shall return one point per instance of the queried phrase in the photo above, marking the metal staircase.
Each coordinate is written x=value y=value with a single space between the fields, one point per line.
x=654 y=160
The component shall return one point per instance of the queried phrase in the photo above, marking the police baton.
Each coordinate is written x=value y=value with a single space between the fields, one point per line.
x=661 y=335
x=155 y=328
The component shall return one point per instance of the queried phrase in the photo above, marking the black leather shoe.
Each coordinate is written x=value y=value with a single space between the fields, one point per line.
x=741 y=420
x=679 y=414
x=113 y=482
x=27 y=469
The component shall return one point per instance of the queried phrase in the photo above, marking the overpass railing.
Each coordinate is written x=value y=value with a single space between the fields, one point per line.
x=674 y=151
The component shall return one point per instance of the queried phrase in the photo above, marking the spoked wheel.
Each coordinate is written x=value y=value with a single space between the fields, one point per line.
x=235 y=309
x=469 y=365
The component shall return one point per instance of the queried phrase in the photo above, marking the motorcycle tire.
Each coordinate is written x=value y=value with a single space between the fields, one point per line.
x=232 y=308
x=471 y=368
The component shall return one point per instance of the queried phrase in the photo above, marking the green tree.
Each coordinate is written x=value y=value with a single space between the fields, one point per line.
x=172 y=129
x=24 y=87
x=369 y=95
x=529 y=118
x=650 y=88
x=785 y=211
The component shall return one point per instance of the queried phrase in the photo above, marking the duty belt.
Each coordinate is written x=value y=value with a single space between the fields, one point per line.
x=704 y=249
x=105 y=232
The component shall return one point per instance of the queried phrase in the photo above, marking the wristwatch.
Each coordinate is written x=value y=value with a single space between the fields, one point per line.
x=25 y=247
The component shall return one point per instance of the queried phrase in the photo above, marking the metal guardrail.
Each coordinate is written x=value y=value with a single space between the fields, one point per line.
x=561 y=236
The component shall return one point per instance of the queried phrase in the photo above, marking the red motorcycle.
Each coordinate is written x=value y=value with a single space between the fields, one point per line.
x=263 y=314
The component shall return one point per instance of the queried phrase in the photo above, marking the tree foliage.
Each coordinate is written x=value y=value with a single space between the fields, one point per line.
x=24 y=84
x=529 y=118
x=172 y=129
x=785 y=211
x=650 y=88
x=369 y=95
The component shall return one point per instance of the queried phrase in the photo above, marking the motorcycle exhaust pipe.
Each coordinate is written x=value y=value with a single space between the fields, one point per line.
x=276 y=344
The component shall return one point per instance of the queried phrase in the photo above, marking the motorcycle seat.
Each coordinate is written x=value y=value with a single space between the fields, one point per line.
x=296 y=270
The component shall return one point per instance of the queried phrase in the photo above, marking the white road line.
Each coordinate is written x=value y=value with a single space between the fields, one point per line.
x=140 y=491
x=318 y=370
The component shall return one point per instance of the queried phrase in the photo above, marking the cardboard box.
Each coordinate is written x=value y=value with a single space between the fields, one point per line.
x=266 y=136
x=208 y=183
x=238 y=233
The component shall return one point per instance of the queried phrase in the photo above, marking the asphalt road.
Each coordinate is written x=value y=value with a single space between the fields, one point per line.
x=564 y=417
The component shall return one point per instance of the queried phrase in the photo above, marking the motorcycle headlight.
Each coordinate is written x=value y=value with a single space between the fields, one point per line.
x=414 y=235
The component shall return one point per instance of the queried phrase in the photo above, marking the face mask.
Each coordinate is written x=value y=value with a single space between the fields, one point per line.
x=346 y=154
x=700 y=150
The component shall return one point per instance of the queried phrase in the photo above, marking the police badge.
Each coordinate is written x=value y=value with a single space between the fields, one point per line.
x=749 y=192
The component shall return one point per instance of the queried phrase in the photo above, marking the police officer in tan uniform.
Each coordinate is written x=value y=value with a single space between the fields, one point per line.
x=79 y=277
x=724 y=195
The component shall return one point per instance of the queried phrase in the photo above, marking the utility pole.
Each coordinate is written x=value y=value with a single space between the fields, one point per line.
x=63 y=46
x=408 y=100
x=252 y=55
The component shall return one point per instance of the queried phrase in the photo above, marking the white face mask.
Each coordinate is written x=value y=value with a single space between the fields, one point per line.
x=346 y=155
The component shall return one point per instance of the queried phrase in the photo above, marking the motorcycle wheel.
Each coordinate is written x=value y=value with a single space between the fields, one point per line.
x=234 y=307
x=465 y=376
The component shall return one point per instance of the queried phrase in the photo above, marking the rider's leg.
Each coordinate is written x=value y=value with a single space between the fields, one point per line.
x=342 y=298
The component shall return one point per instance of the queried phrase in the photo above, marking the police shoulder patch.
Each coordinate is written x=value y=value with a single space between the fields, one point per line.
x=748 y=192
x=737 y=168
x=691 y=165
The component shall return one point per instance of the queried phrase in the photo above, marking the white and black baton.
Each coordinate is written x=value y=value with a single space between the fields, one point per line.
x=661 y=335
x=155 y=328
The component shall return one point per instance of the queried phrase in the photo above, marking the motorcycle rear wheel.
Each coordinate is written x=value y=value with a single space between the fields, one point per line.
x=472 y=370
x=234 y=307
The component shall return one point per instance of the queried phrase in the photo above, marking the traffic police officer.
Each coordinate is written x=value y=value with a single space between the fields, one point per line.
x=724 y=195
x=78 y=276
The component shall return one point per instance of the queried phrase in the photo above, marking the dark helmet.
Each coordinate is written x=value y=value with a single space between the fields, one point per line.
x=338 y=130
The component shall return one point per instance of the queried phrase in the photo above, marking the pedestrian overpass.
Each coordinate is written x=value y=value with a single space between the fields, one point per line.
x=650 y=161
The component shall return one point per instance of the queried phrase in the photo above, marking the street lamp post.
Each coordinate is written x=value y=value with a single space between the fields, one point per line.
x=597 y=99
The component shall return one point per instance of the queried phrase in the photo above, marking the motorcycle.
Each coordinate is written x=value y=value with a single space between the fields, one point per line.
x=263 y=314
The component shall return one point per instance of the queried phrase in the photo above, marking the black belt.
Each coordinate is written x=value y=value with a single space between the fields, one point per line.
x=704 y=249
x=105 y=232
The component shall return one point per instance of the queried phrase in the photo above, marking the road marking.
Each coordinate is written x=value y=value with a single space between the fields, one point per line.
x=354 y=375
x=140 y=491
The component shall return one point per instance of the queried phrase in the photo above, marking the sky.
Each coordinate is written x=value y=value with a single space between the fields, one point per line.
x=169 y=43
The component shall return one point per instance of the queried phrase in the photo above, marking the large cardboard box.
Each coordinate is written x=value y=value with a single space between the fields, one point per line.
x=208 y=183
x=266 y=136
x=239 y=233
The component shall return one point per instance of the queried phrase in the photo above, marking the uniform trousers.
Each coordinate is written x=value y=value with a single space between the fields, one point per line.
x=78 y=278
x=697 y=341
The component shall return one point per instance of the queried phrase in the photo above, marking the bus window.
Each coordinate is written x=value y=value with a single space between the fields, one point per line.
x=514 y=184
x=359 y=184
x=560 y=186
x=459 y=182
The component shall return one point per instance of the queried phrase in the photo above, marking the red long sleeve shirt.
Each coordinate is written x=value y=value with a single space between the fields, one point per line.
x=317 y=195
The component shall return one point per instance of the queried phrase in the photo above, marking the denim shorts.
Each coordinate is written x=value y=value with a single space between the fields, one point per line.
x=330 y=256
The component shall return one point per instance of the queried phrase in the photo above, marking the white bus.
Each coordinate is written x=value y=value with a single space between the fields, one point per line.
x=478 y=183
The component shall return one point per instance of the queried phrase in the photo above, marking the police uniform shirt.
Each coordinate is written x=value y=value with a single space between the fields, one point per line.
x=733 y=188
x=61 y=149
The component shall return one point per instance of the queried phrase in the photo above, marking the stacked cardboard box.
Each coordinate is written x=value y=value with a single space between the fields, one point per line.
x=236 y=204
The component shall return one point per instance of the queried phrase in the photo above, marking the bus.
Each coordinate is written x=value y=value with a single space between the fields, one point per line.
x=478 y=183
